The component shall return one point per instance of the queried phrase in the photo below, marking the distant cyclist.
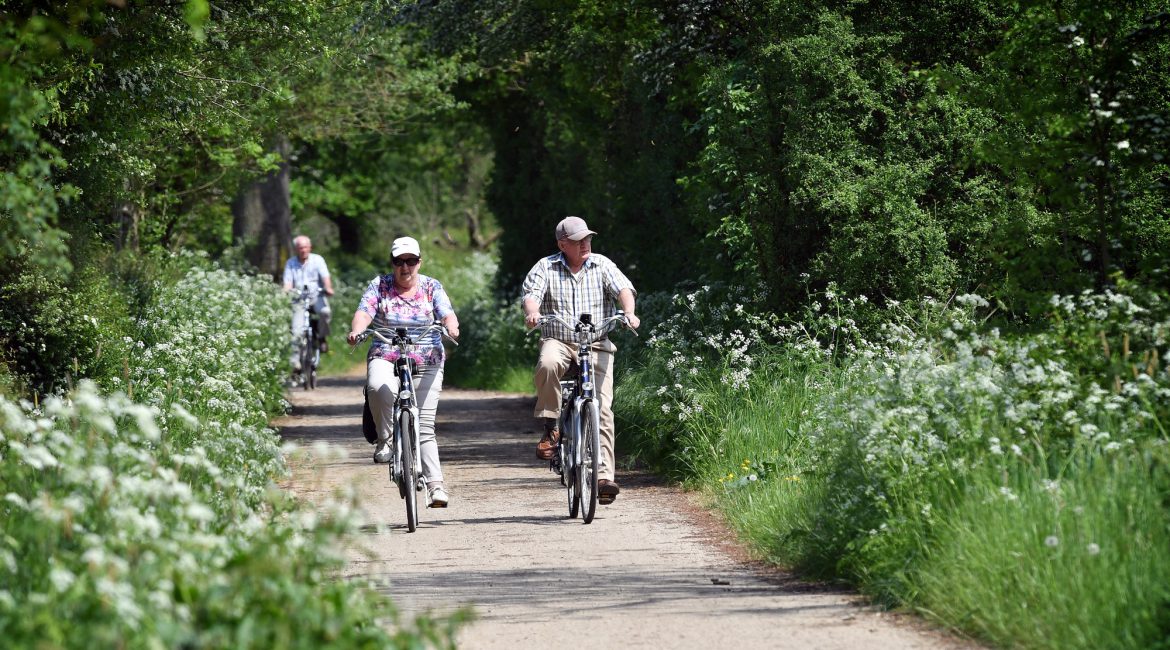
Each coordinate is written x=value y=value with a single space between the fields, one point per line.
x=307 y=268
x=567 y=284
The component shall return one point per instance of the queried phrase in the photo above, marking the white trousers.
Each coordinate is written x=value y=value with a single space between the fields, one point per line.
x=382 y=387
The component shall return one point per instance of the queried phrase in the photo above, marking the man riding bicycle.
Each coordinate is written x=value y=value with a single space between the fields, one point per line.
x=568 y=284
x=306 y=268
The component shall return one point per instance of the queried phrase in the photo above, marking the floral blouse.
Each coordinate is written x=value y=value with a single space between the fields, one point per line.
x=390 y=309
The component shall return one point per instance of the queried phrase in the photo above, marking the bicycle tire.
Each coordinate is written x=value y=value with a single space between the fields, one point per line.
x=590 y=458
x=306 y=363
x=561 y=461
x=568 y=442
x=409 y=477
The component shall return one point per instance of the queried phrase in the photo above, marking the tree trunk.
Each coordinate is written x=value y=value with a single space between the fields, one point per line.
x=349 y=233
x=127 y=215
x=262 y=217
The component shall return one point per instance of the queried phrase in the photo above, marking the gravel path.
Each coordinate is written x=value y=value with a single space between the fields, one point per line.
x=653 y=570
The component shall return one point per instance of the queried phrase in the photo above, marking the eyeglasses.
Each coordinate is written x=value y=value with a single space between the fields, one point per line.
x=398 y=261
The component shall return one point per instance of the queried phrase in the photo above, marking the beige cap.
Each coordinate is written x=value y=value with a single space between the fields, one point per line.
x=573 y=228
x=405 y=246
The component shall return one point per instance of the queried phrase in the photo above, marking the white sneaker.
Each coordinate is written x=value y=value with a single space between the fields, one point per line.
x=382 y=452
x=437 y=496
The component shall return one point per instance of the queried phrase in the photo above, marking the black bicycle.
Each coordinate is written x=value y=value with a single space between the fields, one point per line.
x=405 y=462
x=578 y=452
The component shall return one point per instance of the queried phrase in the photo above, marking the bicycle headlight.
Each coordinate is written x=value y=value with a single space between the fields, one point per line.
x=587 y=386
x=405 y=394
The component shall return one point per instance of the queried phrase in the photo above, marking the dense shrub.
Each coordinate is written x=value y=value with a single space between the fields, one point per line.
x=146 y=517
x=939 y=464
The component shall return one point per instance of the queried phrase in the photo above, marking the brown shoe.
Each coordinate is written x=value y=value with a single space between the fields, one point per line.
x=548 y=444
x=607 y=491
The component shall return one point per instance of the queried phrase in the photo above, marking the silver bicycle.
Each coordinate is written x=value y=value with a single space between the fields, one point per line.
x=578 y=452
x=405 y=462
x=307 y=343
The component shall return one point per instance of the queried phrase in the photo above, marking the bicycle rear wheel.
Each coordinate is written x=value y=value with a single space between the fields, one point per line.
x=590 y=457
x=409 y=477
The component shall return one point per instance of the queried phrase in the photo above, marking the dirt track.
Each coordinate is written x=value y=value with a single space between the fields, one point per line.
x=651 y=571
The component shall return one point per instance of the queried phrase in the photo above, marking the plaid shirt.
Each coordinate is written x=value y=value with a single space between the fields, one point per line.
x=594 y=290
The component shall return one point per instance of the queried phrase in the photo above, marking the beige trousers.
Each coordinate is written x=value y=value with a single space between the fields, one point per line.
x=556 y=357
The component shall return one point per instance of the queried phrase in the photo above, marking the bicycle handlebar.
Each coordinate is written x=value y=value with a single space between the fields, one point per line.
x=306 y=294
x=405 y=339
x=593 y=330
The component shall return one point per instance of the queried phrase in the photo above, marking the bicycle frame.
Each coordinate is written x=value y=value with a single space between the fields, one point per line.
x=578 y=402
x=307 y=340
x=405 y=412
x=404 y=404
x=573 y=402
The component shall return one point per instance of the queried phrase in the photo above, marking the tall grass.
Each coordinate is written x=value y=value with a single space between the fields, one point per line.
x=1079 y=562
x=1013 y=487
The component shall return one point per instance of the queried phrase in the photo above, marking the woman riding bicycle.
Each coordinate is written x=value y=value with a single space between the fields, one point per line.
x=406 y=298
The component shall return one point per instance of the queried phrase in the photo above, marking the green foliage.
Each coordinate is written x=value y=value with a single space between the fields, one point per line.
x=579 y=124
x=937 y=464
x=134 y=124
x=145 y=517
x=892 y=149
x=1087 y=121
x=493 y=352
x=1090 y=554
x=163 y=110
x=59 y=327
x=354 y=196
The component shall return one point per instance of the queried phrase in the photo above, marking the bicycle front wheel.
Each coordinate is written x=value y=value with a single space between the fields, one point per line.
x=307 y=364
x=590 y=457
x=409 y=476
x=569 y=442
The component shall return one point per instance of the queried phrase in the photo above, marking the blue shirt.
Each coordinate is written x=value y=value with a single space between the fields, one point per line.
x=312 y=272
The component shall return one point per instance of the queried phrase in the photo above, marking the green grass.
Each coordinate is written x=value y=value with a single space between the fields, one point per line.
x=1084 y=563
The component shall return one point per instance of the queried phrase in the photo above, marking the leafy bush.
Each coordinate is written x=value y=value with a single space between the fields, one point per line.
x=147 y=518
x=890 y=465
x=57 y=327
x=493 y=352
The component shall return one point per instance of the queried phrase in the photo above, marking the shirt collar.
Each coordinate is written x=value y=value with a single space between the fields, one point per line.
x=560 y=257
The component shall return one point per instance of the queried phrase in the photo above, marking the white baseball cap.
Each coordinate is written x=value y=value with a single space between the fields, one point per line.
x=405 y=246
